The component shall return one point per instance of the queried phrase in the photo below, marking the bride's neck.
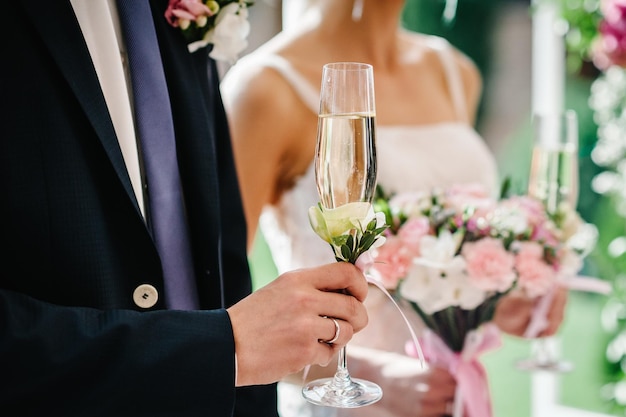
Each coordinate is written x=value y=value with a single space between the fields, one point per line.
x=373 y=36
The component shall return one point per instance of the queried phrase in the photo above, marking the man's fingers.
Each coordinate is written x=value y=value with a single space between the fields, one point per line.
x=284 y=326
x=342 y=276
x=330 y=300
x=339 y=332
x=336 y=332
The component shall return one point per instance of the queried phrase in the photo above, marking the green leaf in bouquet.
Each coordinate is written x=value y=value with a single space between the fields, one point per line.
x=505 y=188
x=452 y=324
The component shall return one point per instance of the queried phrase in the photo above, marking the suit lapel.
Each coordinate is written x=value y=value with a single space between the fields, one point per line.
x=57 y=25
x=192 y=101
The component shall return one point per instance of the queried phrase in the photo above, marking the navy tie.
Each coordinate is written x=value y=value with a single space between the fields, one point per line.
x=155 y=129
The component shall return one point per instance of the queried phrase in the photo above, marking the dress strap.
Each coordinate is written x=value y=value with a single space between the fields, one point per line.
x=453 y=76
x=309 y=95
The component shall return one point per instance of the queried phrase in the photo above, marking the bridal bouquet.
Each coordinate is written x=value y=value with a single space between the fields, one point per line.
x=453 y=253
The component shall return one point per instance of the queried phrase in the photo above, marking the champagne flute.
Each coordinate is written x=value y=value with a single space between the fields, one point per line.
x=554 y=181
x=345 y=172
x=554 y=165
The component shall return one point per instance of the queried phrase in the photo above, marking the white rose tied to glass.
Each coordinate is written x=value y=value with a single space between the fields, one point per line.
x=351 y=229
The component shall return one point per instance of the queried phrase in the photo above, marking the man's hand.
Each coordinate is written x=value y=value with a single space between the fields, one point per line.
x=280 y=328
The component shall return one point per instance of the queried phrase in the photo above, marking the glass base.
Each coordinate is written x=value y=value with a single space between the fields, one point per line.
x=550 y=366
x=352 y=394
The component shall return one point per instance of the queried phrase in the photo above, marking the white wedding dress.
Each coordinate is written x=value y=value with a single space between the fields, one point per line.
x=410 y=158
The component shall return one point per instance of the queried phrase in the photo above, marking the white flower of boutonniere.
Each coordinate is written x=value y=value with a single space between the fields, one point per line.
x=224 y=24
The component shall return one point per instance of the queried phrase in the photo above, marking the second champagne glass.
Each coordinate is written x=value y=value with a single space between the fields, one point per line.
x=554 y=181
x=345 y=172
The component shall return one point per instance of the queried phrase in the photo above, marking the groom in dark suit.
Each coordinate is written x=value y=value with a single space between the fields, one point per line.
x=87 y=322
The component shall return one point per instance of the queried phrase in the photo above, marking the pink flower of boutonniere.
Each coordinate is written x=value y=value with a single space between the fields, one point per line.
x=221 y=23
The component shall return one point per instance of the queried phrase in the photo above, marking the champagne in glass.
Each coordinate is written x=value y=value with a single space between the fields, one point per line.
x=345 y=162
x=345 y=172
x=554 y=181
x=554 y=165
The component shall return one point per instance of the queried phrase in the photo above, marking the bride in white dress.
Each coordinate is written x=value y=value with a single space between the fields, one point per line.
x=426 y=97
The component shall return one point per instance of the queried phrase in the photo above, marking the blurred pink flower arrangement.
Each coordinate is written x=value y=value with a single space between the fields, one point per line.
x=453 y=253
x=609 y=46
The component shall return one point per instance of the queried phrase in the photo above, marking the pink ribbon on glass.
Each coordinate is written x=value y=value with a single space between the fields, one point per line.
x=364 y=262
x=472 y=392
x=539 y=315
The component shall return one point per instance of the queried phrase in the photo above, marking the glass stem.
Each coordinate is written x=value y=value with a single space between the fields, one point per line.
x=544 y=352
x=342 y=376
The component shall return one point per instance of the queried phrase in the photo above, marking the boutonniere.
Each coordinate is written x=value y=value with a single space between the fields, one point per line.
x=221 y=23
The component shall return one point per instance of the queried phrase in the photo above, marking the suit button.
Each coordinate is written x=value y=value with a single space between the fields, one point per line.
x=145 y=296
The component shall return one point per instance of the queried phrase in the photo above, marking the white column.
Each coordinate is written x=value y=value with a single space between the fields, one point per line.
x=548 y=58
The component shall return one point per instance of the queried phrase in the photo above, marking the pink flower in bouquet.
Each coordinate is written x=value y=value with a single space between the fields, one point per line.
x=609 y=48
x=476 y=196
x=535 y=276
x=489 y=265
x=392 y=262
x=412 y=232
x=395 y=257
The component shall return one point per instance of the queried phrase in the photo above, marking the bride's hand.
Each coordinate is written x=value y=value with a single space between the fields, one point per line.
x=514 y=311
x=409 y=389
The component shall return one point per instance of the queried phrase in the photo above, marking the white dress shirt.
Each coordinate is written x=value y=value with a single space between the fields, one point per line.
x=100 y=25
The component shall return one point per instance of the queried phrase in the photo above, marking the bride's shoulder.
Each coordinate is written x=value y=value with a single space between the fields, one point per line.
x=467 y=68
x=255 y=76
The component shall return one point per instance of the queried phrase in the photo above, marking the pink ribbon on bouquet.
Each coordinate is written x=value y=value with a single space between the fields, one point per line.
x=539 y=315
x=464 y=366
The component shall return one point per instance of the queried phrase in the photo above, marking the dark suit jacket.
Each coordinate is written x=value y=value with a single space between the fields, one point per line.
x=72 y=341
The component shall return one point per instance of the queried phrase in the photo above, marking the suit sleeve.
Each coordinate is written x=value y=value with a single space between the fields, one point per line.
x=81 y=361
x=255 y=400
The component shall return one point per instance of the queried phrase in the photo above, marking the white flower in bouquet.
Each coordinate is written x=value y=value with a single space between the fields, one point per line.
x=438 y=279
x=571 y=263
x=508 y=220
x=411 y=204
